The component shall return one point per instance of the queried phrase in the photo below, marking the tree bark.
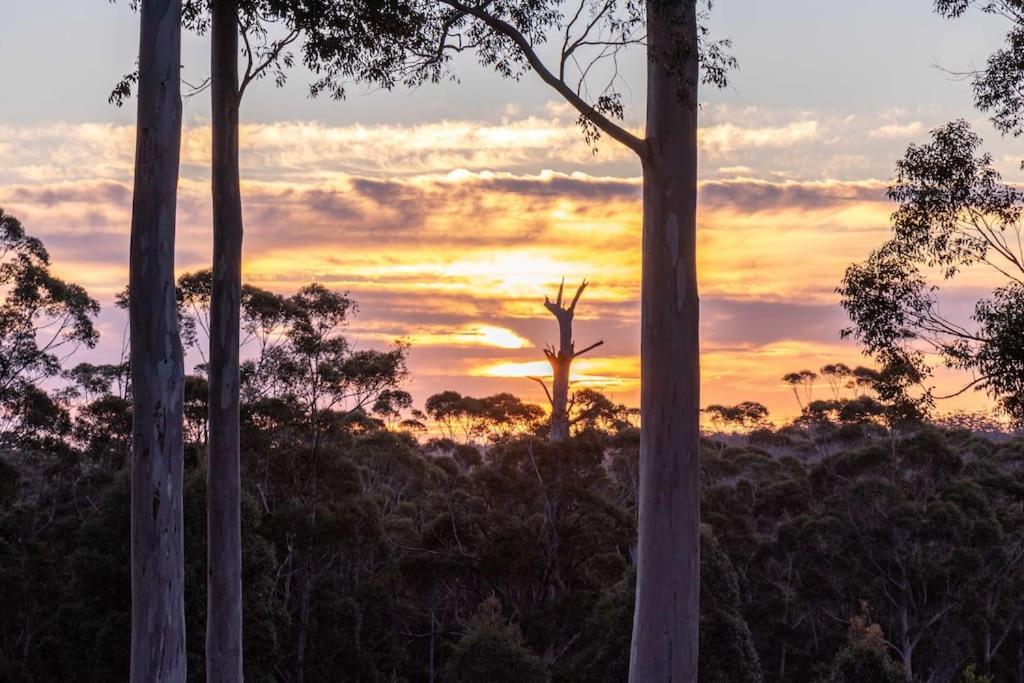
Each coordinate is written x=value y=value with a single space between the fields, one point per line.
x=560 y=366
x=157 y=366
x=224 y=539
x=667 y=616
x=906 y=643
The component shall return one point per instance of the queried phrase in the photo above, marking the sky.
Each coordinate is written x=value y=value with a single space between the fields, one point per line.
x=449 y=211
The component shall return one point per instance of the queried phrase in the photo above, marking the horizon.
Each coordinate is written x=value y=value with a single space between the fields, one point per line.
x=449 y=212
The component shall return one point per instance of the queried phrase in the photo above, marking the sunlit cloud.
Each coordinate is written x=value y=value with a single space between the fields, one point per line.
x=450 y=235
x=898 y=131
x=726 y=138
x=747 y=142
x=468 y=335
x=616 y=373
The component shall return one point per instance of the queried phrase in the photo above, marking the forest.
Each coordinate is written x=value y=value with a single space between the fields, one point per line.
x=858 y=543
x=250 y=491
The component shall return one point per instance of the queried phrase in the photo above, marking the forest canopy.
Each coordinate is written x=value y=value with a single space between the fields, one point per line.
x=458 y=543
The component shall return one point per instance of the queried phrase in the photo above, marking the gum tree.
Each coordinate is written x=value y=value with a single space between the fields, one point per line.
x=225 y=20
x=157 y=365
x=954 y=215
x=508 y=35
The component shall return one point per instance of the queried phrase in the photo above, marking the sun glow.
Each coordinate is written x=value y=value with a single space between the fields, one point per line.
x=612 y=372
x=490 y=336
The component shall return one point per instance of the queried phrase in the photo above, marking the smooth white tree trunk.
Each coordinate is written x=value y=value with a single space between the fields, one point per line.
x=157 y=368
x=667 y=617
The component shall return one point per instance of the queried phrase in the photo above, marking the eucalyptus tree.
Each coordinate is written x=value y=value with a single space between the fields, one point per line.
x=508 y=36
x=263 y=54
x=156 y=359
x=43 y=319
x=999 y=86
x=223 y=506
x=955 y=214
x=224 y=541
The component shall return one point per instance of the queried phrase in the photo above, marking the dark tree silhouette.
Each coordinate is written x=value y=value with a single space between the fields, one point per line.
x=955 y=213
x=999 y=87
x=43 y=320
x=158 y=609
x=561 y=362
x=744 y=416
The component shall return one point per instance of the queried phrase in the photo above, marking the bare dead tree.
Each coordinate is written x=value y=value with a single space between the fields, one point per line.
x=561 y=361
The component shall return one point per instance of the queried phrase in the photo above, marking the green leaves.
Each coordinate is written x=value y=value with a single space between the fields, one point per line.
x=42 y=320
x=954 y=213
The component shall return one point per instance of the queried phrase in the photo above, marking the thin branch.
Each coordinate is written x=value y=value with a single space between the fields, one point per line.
x=544 y=386
x=613 y=130
x=579 y=293
x=577 y=354
x=271 y=58
x=965 y=389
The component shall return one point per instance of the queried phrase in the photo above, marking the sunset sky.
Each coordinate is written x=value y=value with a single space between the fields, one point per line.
x=450 y=211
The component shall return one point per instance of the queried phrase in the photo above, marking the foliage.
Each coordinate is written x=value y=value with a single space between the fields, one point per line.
x=954 y=213
x=423 y=38
x=492 y=650
x=43 y=319
x=372 y=556
x=744 y=416
x=999 y=87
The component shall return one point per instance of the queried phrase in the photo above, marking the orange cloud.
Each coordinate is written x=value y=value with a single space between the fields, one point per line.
x=450 y=235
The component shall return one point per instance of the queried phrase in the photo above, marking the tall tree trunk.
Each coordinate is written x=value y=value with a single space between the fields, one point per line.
x=906 y=643
x=157 y=365
x=666 y=621
x=224 y=540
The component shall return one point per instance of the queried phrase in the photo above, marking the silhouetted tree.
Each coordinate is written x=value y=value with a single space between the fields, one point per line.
x=561 y=362
x=999 y=87
x=954 y=212
x=43 y=320
x=745 y=415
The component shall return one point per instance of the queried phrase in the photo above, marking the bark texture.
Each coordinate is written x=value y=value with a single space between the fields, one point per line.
x=224 y=540
x=157 y=368
x=667 y=617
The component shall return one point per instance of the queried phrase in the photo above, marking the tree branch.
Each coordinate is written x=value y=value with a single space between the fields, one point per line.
x=613 y=130
x=544 y=386
x=577 y=354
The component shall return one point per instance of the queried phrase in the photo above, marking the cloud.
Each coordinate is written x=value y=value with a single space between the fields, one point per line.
x=451 y=234
x=726 y=138
x=502 y=236
x=750 y=142
x=898 y=131
x=755 y=196
x=460 y=336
